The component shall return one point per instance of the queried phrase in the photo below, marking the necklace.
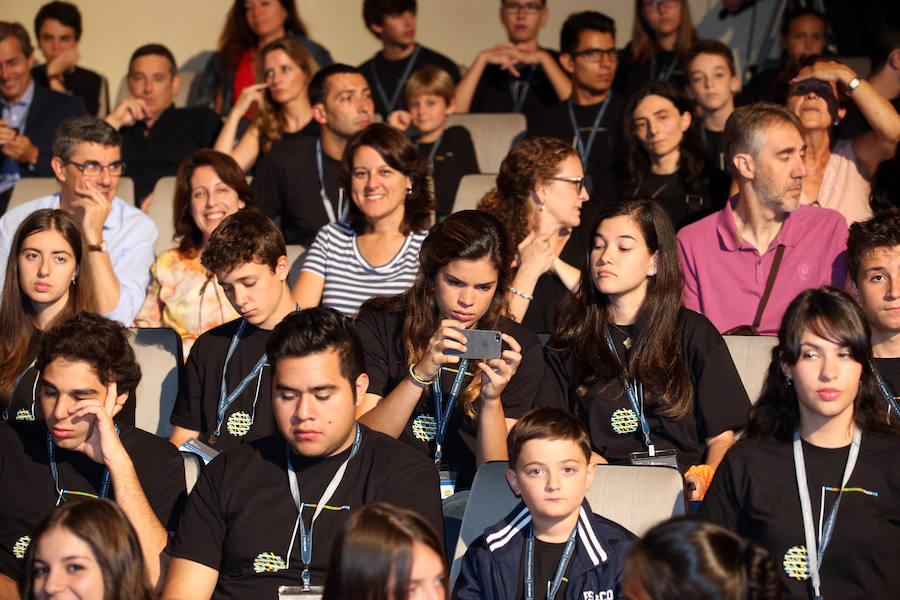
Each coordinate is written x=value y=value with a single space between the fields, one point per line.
x=628 y=341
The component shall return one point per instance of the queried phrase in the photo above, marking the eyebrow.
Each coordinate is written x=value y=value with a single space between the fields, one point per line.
x=326 y=387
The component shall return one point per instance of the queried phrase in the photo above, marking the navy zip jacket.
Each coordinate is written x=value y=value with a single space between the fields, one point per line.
x=490 y=569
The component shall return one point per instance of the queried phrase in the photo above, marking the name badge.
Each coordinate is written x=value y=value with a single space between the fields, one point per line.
x=448 y=483
x=296 y=592
x=662 y=458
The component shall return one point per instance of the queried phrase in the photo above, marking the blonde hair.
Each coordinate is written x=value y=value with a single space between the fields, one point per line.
x=430 y=79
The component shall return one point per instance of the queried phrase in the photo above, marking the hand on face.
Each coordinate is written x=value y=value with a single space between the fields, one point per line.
x=103 y=444
x=400 y=119
x=250 y=95
x=496 y=373
x=91 y=209
x=129 y=112
x=62 y=63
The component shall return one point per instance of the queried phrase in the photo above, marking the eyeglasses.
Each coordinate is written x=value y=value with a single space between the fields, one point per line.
x=596 y=55
x=658 y=3
x=92 y=168
x=578 y=182
x=529 y=8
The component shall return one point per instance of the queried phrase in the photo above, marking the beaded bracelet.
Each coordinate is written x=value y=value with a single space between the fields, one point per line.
x=520 y=294
x=419 y=380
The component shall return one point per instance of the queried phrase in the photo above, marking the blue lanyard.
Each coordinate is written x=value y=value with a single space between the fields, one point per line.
x=814 y=559
x=323 y=195
x=442 y=413
x=560 y=568
x=51 y=456
x=633 y=397
x=389 y=106
x=225 y=399
x=585 y=149
x=663 y=75
x=306 y=536
x=891 y=399
x=433 y=152
x=519 y=98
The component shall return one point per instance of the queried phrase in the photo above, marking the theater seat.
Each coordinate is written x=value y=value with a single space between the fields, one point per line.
x=471 y=189
x=158 y=351
x=493 y=134
x=295 y=253
x=636 y=497
x=193 y=465
x=31 y=188
x=160 y=210
x=751 y=355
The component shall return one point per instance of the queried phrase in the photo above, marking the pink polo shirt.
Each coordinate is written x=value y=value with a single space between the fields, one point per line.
x=724 y=278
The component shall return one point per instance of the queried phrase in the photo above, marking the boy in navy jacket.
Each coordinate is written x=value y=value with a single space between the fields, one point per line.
x=551 y=545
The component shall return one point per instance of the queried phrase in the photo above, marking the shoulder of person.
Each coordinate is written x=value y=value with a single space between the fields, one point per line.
x=395 y=455
x=696 y=324
x=818 y=215
x=130 y=212
x=701 y=230
x=525 y=336
x=218 y=335
x=58 y=100
x=292 y=151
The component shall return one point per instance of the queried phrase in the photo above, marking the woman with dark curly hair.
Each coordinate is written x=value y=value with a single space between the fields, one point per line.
x=814 y=479
x=182 y=294
x=376 y=251
x=539 y=196
x=250 y=25
x=665 y=160
x=687 y=558
x=284 y=67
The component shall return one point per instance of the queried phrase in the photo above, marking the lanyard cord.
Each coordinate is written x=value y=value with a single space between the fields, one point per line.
x=323 y=195
x=389 y=105
x=814 y=557
x=225 y=399
x=306 y=536
x=882 y=385
x=560 y=568
x=662 y=75
x=636 y=398
x=433 y=152
x=585 y=149
x=519 y=98
x=51 y=457
x=442 y=413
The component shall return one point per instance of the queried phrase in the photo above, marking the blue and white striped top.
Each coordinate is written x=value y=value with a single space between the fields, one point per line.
x=349 y=279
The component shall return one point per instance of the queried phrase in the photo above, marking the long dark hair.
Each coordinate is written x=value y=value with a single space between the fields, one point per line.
x=237 y=37
x=691 y=161
x=465 y=235
x=373 y=558
x=643 y=39
x=104 y=527
x=19 y=334
x=656 y=361
x=833 y=315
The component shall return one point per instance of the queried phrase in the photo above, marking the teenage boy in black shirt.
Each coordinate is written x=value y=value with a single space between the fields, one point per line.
x=393 y=22
x=297 y=183
x=873 y=263
x=227 y=379
x=588 y=44
x=245 y=525
x=87 y=370
x=516 y=76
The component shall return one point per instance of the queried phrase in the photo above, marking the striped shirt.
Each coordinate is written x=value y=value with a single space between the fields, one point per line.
x=349 y=278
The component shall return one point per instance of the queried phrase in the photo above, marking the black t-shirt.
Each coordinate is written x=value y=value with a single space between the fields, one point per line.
x=754 y=493
x=386 y=365
x=494 y=93
x=684 y=206
x=287 y=188
x=546 y=560
x=631 y=76
x=389 y=73
x=720 y=401
x=83 y=83
x=454 y=158
x=764 y=86
x=548 y=292
x=719 y=177
x=889 y=368
x=249 y=416
x=29 y=492
x=151 y=154
x=240 y=516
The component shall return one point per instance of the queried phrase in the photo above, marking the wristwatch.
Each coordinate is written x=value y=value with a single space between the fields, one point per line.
x=101 y=247
x=853 y=84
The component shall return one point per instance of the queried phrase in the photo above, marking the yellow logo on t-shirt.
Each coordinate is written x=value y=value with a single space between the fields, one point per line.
x=21 y=546
x=624 y=420
x=424 y=428
x=24 y=414
x=239 y=424
x=268 y=562
x=796 y=564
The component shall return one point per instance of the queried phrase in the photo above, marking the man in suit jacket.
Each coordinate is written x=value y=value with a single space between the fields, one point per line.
x=29 y=113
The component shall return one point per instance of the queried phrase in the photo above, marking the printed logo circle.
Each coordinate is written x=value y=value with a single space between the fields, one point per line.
x=268 y=562
x=21 y=546
x=795 y=563
x=624 y=420
x=23 y=414
x=238 y=424
x=424 y=428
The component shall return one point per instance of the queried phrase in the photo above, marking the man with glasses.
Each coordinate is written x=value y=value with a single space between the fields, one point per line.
x=119 y=238
x=591 y=118
x=87 y=371
x=29 y=113
x=518 y=75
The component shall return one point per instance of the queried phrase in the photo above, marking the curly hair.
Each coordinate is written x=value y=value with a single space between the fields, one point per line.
x=98 y=341
x=834 y=315
x=242 y=238
x=187 y=234
x=270 y=118
x=400 y=154
x=529 y=163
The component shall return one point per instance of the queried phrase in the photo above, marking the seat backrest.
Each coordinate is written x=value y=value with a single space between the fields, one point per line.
x=160 y=210
x=30 y=188
x=751 y=355
x=637 y=497
x=471 y=189
x=193 y=464
x=158 y=352
x=295 y=253
x=493 y=134
x=125 y=191
x=103 y=106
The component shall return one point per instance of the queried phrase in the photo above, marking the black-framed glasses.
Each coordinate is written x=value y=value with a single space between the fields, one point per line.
x=530 y=8
x=596 y=55
x=658 y=3
x=92 y=168
x=578 y=182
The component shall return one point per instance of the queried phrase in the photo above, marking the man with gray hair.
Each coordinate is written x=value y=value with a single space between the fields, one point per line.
x=745 y=263
x=119 y=238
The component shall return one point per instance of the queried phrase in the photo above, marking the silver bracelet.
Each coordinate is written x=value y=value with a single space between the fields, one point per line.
x=521 y=294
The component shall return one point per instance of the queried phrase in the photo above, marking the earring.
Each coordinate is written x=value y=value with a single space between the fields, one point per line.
x=541 y=209
x=409 y=191
x=789 y=380
x=73 y=281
